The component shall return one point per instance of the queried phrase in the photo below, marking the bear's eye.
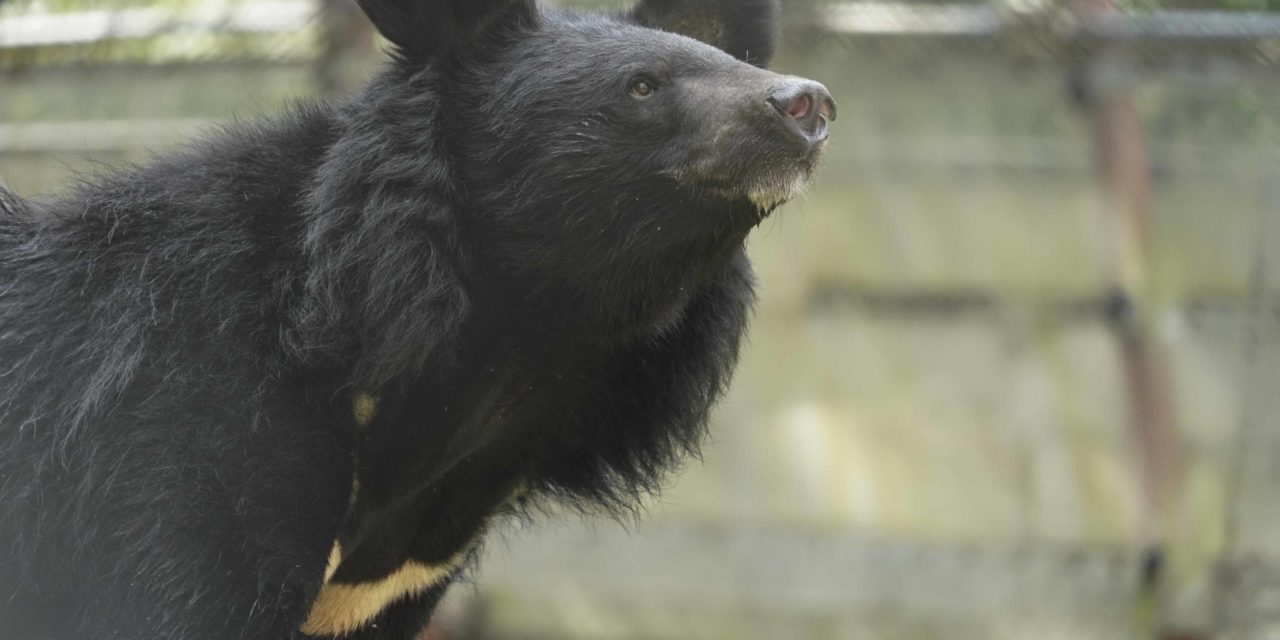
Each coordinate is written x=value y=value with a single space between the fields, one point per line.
x=642 y=88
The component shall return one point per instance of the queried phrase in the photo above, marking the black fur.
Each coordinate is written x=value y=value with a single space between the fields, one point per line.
x=421 y=29
x=746 y=29
x=538 y=273
x=10 y=203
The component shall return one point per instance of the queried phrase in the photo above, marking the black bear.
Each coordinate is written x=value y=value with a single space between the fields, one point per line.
x=277 y=385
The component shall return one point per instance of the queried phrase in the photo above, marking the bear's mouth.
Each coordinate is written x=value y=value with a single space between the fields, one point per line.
x=775 y=189
x=766 y=189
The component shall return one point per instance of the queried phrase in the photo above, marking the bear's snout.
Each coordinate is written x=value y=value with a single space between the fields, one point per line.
x=805 y=106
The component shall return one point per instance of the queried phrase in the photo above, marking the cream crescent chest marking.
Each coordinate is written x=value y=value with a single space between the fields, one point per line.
x=340 y=609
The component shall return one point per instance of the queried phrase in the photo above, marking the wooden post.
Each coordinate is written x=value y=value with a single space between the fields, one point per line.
x=1124 y=172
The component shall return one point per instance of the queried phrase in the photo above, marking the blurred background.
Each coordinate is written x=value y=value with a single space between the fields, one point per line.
x=1016 y=366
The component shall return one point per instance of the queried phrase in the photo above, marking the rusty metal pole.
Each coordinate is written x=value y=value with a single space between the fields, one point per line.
x=1124 y=172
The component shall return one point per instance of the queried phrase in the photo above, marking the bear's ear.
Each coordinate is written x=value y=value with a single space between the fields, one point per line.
x=746 y=29
x=426 y=28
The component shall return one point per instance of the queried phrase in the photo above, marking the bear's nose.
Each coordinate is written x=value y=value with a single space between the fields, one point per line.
x=808 y=104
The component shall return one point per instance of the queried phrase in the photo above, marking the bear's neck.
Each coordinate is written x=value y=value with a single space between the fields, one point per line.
x=517 y=363
x=598 y=289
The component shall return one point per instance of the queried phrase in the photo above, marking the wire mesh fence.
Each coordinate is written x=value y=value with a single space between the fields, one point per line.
x=1013 y=373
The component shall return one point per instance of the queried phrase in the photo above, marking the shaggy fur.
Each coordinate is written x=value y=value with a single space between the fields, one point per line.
x=500 y=273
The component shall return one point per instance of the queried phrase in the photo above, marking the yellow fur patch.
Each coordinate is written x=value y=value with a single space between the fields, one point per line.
x=343 y=608
x=340 y=609
x=365 y=408
x=335 y=559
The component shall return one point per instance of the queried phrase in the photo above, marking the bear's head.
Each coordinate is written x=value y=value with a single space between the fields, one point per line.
x=611 y=160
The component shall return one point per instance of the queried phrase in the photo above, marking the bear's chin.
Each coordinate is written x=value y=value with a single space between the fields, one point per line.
x=772 y=192
x=766 y=193
x=763 y=192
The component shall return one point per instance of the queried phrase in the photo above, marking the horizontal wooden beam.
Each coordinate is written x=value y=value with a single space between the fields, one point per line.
x=60 y=29
x=96 y=135
x=990 y=19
